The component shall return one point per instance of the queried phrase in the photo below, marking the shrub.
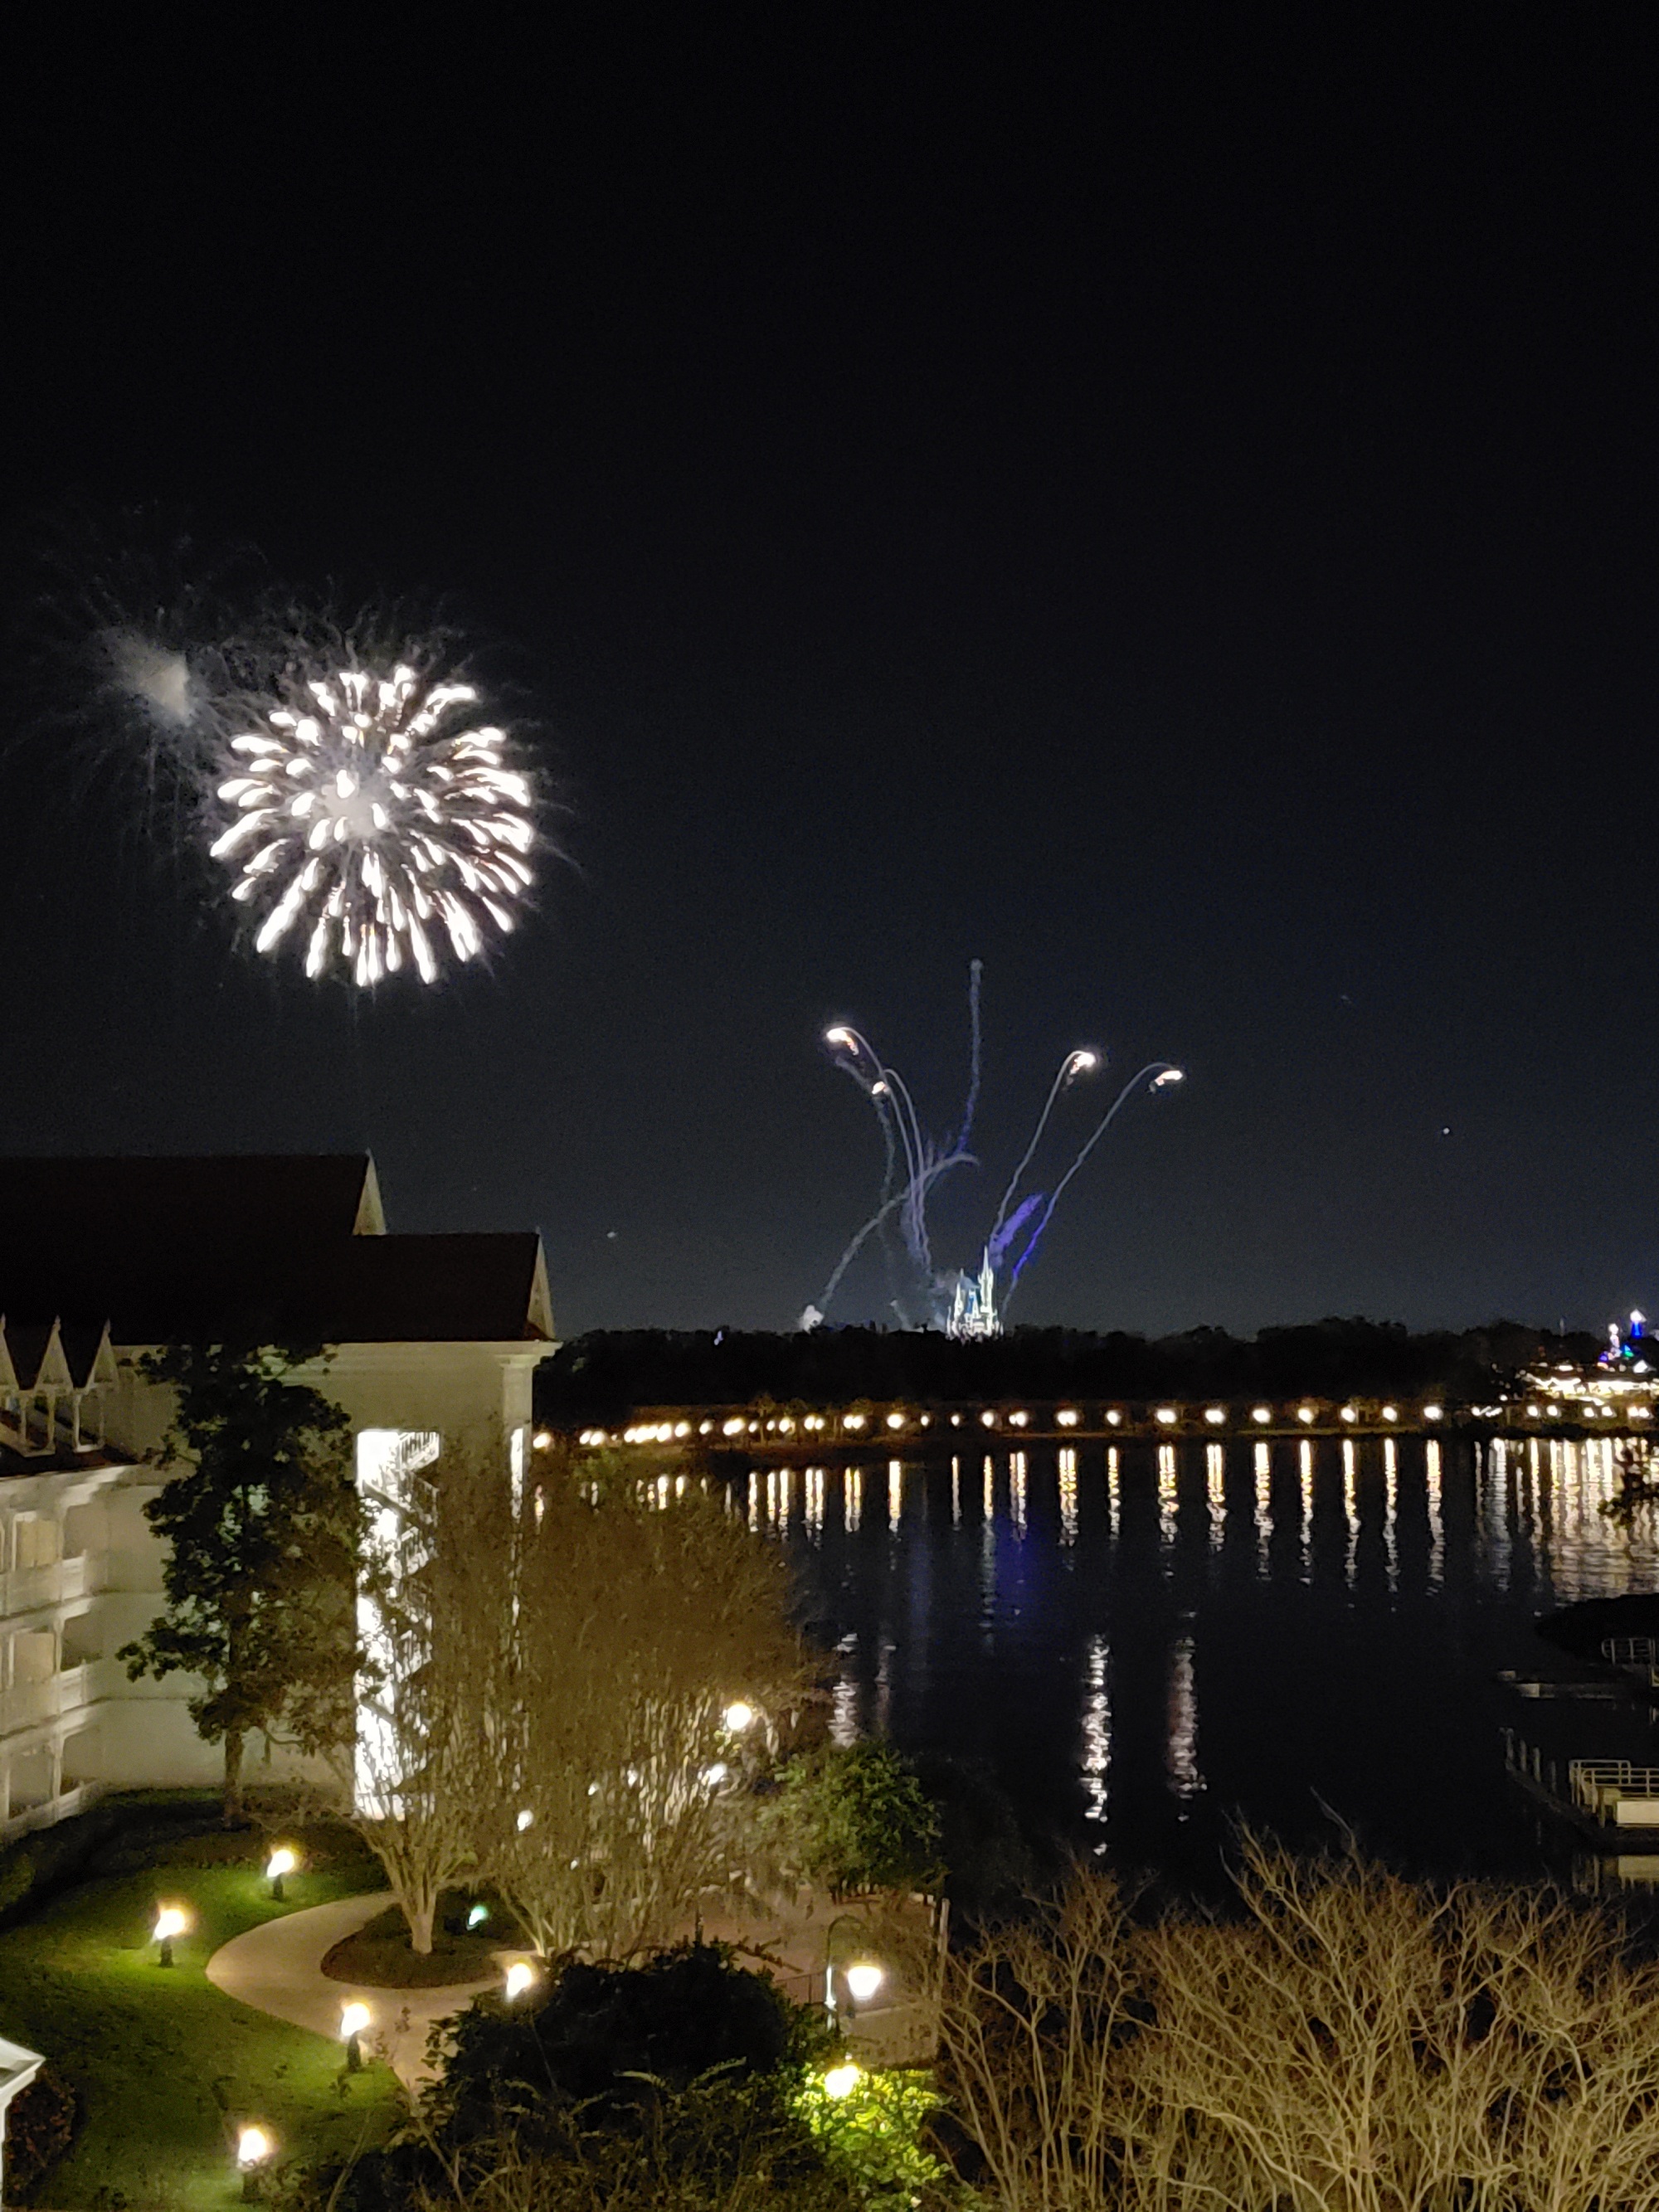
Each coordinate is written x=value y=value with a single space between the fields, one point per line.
x=38 y=2127
x=855 y=1817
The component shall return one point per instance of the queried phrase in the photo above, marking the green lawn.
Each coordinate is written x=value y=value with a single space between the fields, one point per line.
x=163 y=2064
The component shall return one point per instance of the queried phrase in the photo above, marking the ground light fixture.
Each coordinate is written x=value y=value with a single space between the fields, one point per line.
x=284 y=1860
x=520 y=1977
x=171 y=1920
x=476 y=1916
x=355 y=2018
x=255 y=2148
x=739 y=1716
x=842 y=2081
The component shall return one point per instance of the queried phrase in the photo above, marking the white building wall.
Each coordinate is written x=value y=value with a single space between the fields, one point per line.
x=81 y=1570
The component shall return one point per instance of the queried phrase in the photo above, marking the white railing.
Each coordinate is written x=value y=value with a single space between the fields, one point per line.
x=1600 y=1785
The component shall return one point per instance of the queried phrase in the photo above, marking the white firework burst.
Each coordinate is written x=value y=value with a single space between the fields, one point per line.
x=374 y=816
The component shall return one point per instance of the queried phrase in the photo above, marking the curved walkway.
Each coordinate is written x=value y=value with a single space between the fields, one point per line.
x=277 y=1968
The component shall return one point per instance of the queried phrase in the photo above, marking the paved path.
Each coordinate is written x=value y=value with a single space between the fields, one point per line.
x=277 y=1968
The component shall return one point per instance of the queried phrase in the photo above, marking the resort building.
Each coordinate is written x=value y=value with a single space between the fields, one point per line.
x=429 y=1344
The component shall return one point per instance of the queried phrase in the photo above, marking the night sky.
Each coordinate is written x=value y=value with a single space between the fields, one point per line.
x=1158 y=498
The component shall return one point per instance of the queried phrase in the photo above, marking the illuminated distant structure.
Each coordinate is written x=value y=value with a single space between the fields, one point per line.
x=1622 y=1387
x=960 y=1304
x=972 y=1312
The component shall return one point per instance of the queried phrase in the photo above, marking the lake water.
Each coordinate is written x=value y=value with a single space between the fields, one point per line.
x=1147 y=1642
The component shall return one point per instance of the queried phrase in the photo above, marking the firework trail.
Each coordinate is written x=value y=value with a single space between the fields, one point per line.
x=961 y=1304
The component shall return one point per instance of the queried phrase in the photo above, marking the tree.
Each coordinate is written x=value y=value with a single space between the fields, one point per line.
x=265 y=1528
x=437 y=1615
x=642 y=1613
x=855 y=1817
x=1345 y=2039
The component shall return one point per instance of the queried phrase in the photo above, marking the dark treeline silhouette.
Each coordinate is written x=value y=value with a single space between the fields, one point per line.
x=605 y=1376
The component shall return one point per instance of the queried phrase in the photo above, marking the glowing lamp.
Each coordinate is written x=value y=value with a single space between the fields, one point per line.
x=1170 y=1075
x=1391 y=1413
x=254 y=2145
x=896 y=1420
x=520 y=1977
x=1167 y=1414
x=1083 y=1061
x=863 y=1981
x=838 y=1037
x=842 y=2081
x=282 y=1861
x=1350 y=1412
x=1432 y=1413
x=1215 y=1415
x=987 y=1421
x=476 y=1916
x=354 y=2017
x=526 y=1819
x=738 y=1716
x=1067 y=1419
x=171 y=1920
x=1305 y=1412
x=1262 y=1413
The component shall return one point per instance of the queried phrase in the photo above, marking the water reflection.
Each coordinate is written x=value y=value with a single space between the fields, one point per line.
x=1146 y=1640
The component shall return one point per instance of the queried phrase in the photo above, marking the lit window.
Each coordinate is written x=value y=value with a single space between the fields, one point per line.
x=1262 y=1413
x=1215 y=1415
x=1433 y=1413
x=1066 y=1419
x=1166 y=1414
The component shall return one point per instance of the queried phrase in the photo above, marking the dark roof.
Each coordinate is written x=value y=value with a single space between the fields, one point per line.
x=250 y=1249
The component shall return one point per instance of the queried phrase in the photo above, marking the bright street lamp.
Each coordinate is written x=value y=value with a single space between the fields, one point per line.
x=863 y=1980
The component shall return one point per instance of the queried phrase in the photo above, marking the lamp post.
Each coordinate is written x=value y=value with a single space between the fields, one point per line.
x=171 y=1920
x=282 y=1861
x=354 y=2017
x=861 y=1977
x=254 y=2147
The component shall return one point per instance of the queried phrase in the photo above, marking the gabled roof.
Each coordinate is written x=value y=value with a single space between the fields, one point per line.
x=267 y=1249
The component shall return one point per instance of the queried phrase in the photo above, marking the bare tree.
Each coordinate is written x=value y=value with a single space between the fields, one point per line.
x=642 y=1613
x=434 y=1616
x=1349 y=2042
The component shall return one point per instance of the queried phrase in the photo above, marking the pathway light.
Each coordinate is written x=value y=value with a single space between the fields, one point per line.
x=171 y=1920
x=842 y=2081
x=739 y=1716
x=526 y=1819
x=863 y=1980
x=255 y=2147
x=282 y=1861
x=520 y=1977
x=354 y=2017
x=476 y=1916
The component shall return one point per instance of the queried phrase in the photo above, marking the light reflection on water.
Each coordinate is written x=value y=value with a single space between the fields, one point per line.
x=1147 y=1642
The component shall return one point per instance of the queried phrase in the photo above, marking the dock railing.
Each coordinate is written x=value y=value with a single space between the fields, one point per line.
x=1614 y=1790
x=1634 y=1654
